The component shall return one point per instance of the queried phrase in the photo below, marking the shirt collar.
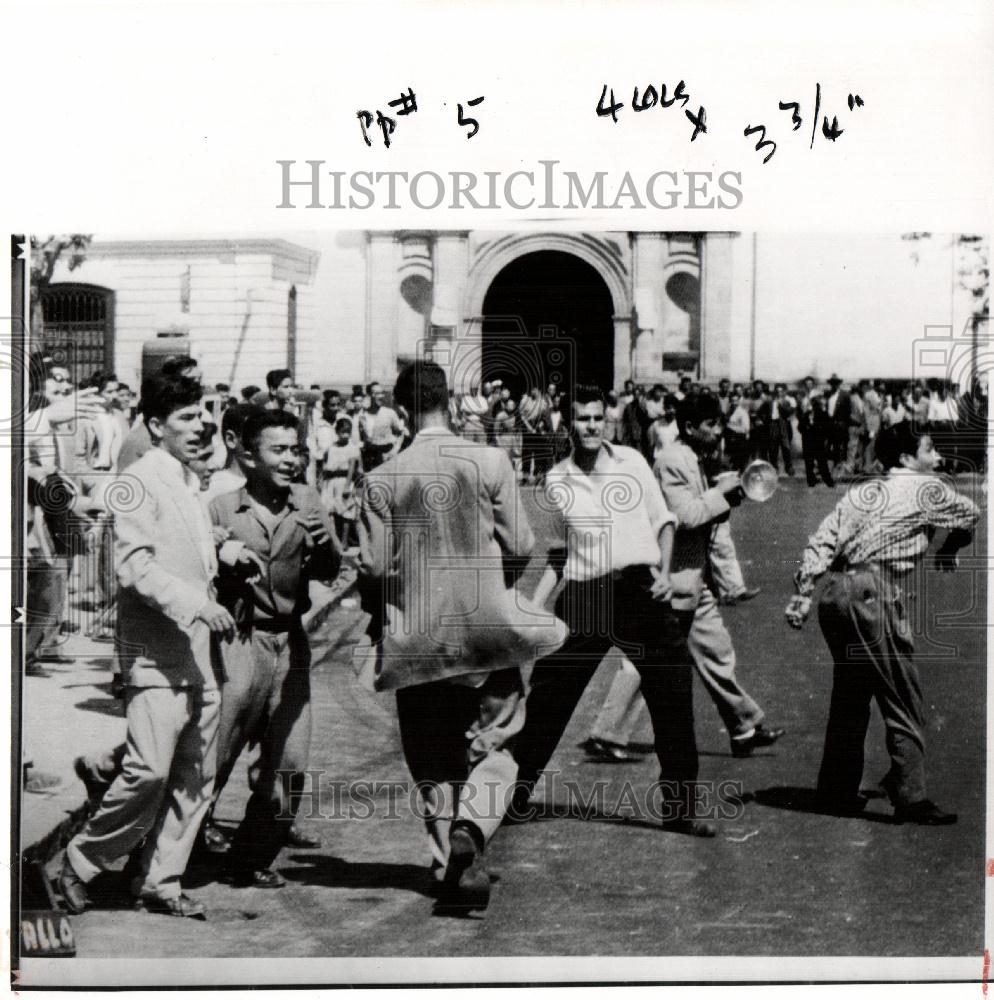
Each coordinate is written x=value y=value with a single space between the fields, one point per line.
x=434 y=432
x=172 y=467
x=245 y=501
x=606 y=449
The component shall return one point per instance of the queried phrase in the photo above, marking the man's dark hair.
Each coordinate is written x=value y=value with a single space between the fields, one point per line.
x=123 y=385
x=894 y=441
x=369 y=388
x=100 y=380
x=329 y=394
x=176 y=364
x=421 y=388
x=234 y=417
x=222 y=387
x=694 y=410
x=258 y=420
x=163 y=394
x=276 y=376
x=583 y=393
x=343 y=424
x=249 y=391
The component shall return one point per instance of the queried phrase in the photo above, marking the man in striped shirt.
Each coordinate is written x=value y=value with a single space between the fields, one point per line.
x=871 y=543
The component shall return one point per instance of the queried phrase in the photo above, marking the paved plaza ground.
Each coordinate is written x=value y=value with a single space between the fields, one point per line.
x=779 y=880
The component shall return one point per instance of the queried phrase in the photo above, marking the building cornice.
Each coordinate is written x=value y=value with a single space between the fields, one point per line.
x=291 y=262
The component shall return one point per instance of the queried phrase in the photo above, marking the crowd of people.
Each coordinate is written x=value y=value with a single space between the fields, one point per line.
x=205 y=522
x=831 y=426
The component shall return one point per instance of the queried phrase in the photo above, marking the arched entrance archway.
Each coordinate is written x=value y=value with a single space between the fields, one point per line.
x=548 y=317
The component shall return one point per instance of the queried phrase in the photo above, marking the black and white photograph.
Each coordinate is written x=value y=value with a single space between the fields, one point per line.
x=567 y=606
x=498 y=496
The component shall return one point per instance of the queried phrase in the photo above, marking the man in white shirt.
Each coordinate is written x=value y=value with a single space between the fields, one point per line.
x=612 y=557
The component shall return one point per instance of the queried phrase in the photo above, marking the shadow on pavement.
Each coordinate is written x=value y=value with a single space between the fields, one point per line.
x=805 y=800
x=337 y=873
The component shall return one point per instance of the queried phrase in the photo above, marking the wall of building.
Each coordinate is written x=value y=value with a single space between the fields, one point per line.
x=233 y=305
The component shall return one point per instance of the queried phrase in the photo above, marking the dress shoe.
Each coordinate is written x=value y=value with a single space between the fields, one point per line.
x=261 y=878
x=466 y=884
x=95 y=786
x=924 y=813
x=761 y=737
x=179 y=906
x=606 y=752
x=691 y=827
x=215 y=840
x=297 y=838
x=73 y=889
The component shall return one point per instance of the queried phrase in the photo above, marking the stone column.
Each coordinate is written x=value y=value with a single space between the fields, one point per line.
x=649 y=252
x=623 y=350
x=716 y=305
x=450 y=267
x=382 y=296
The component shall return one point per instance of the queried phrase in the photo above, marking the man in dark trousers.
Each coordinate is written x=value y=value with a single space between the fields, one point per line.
x=612 y=558
x=815 y=429
x=443 y=536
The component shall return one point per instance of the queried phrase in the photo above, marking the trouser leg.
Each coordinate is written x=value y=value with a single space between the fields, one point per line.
x=726 y=573
x=284 y=746
x=128 y=811
x=898 y=692
x=557 y=684
x=623 y=707
x=714 y=659
x=243 y=702
x=809 y=466
x=188 y=797
x=667 y=686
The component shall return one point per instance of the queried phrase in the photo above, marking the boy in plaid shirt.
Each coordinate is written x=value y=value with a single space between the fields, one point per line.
x=871 y=543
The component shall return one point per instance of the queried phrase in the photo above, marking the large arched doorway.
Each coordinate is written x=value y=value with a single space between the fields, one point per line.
x=548 y=317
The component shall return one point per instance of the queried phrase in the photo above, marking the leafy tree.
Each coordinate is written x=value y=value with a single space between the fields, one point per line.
x=45 y=254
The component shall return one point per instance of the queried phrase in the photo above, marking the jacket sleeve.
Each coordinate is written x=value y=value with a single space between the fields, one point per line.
x=139 y=570
x=511 y=528
x=377 y=562
x=326 y=559
x=693 y=509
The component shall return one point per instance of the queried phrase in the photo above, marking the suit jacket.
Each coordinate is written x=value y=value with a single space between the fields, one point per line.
x=698 y=509
x=165 y=567
x=442 y=535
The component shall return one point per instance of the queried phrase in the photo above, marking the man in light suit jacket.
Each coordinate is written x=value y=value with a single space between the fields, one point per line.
x=699 y=509
x=166 y=616
x=443 y=537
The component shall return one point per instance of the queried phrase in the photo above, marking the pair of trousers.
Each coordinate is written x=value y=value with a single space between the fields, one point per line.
x=162 y=792
x=457 y=743
x=266 y=698
x=723 y=562
x=44 y=602
x=864 y=624
x=780 y=446
x=815 y=451
x=620 y=612
x=714 y=659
